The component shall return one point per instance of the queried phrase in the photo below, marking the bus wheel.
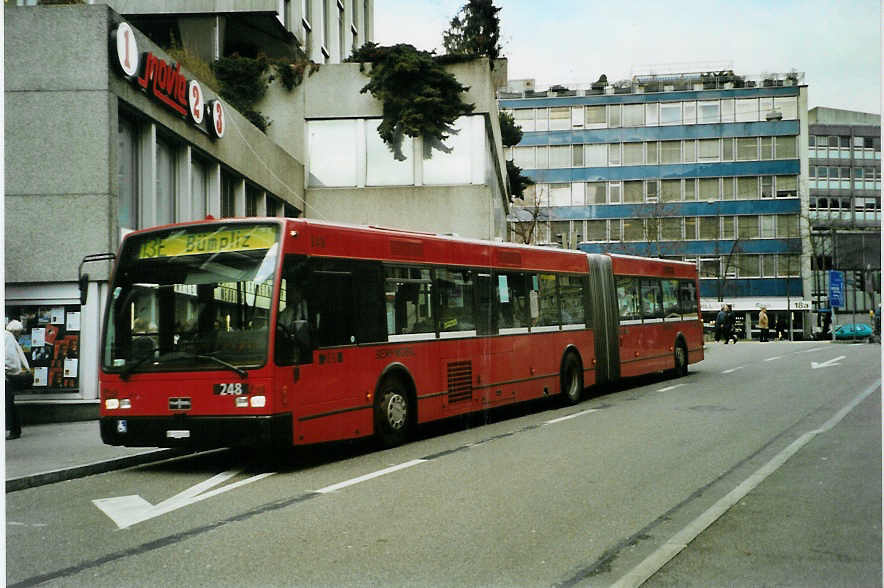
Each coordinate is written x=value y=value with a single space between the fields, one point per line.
x=392 y=413
x=572 y=379
x=681 y=360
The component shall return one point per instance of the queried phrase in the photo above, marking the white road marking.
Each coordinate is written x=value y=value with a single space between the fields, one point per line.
x=651 y=564
x=571 y=416
x=668 y=388
x=732 y=370
x=775 y=357
x=126 y=511
x=830 y=363
x=370 y=476
x=812 y=350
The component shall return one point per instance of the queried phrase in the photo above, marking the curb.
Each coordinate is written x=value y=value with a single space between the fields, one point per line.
x=53 y=476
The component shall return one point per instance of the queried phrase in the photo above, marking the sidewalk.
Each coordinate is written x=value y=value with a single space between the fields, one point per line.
x=53 y=452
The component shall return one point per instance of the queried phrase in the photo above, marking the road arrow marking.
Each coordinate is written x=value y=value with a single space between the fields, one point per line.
x=126 y=511
x=830 y=363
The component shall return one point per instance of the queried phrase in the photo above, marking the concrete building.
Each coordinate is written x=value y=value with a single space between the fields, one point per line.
x=708 y=167
x=92 y=153
x=844 y=177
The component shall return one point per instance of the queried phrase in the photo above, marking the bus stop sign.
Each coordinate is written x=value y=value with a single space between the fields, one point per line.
x=836 y=289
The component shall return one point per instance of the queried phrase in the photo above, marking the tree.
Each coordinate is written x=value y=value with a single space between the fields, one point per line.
x=511 y=134
x=420 y=98
x=524 y=220
x=475 y=31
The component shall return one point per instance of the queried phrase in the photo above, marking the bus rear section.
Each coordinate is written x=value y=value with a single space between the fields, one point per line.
x=184 y=358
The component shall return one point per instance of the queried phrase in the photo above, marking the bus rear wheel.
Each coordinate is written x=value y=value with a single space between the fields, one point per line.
x=681 y=360
x=572 y=379
x=392 y=413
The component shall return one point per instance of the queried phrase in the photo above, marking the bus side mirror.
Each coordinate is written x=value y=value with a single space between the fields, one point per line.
x=84 y=288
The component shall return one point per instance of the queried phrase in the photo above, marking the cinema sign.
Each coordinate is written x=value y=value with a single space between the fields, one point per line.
x=163 y=81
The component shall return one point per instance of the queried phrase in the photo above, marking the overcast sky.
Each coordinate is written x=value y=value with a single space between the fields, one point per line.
x=836 y=44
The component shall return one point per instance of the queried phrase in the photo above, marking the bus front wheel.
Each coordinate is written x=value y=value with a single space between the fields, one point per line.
x=392 y=412
x=572 y=379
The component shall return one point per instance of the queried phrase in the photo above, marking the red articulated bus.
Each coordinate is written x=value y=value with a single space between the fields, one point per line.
x=287 y=331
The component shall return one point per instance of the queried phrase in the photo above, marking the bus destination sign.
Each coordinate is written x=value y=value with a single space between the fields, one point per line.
x=215 y=241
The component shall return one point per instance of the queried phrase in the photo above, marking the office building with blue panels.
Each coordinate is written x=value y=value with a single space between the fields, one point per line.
x=709 y=168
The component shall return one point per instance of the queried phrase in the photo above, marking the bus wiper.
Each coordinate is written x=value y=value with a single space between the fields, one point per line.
x=186 y=355
x=127 y=371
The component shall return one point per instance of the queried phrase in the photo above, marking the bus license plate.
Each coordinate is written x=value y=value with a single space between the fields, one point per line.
x=231 y=389
x=177 y=434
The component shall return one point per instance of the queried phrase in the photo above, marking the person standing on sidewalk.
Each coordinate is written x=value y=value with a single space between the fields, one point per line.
x=730 y=323
x=719 y=323
x=18 y=376
x=763 y=324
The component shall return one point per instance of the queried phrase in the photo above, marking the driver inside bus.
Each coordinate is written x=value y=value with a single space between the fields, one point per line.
x=293 y=330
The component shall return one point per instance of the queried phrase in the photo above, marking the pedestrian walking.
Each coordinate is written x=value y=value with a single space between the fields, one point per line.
x=18 y=376
x=781 y=327
x=730 y=321
x=719 y=323
x=763 y=324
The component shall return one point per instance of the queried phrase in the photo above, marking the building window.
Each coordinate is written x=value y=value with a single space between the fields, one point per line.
x=709 y=189
x=747 y=188
x=165 y=183
x=577 y=156
x=330 y=165
x=652 y=148
x=633 y=229
x=560 y=194
x=614 y=154
x=690 y=228
x=727 y=227
x=522 y=157
x=767 y=186
x=671 y=229
x=560 y=119
x=382 y=169
x=747 y=226
x=596 y=193
x=709 y=228
x=670 y=151
x=199 y=187
x=708 y=149
x=768 y=226
x=541 y=157
x=652 y=114
x=613 y=116
x=541 y=122
x=786 y=147
x=633 y=153
x=228 y=195
x=690 y=151
x=633 y=115
x=787 y=226
x=690 y=112
x=787 y=106
x=614 y=192
x=127 y=173
x=708 y=112
x=253 y=197
x=560 y=156
x=747 y=148
x=766 y=147
x=595 y=155
x=632 y=191
x=597 y=230
x=670 y=113
x=524 y=117
x=595 y=117
x=670 y=190
x=727 y=149
x=787 y=186
x=727 y=189
x=342 y=33
x=727 y=110
x=746 y=110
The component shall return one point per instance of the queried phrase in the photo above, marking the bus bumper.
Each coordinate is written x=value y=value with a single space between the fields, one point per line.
x=198 y=431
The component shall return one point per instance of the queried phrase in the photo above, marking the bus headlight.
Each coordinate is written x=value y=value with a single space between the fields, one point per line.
x=258 y=401
x=112 y=403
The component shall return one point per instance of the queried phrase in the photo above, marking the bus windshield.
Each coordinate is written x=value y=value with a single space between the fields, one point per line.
x=195 y=298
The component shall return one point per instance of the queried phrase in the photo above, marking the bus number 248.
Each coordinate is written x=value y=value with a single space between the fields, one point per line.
x=231 y=389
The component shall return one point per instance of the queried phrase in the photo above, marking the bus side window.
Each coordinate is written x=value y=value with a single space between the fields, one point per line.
x=549 y=301
x=513 y=300
x=627 y=298
x=652 y=298
x=687 y=297
x=408 y=293
x=571 y=295
x=454 y=288
x=485 y=324
x=671 y=308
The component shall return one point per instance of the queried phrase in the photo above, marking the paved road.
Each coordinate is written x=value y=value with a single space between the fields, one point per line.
x=540 y=496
